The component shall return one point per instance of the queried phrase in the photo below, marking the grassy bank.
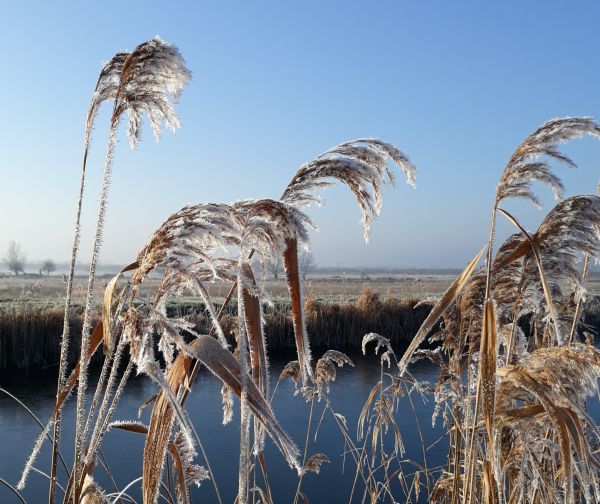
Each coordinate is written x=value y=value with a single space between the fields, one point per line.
x=30 y=332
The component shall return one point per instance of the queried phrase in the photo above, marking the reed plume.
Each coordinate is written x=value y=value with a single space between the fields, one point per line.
x=360 y=164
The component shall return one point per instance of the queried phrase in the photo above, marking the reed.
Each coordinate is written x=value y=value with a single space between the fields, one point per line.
x=513 y=389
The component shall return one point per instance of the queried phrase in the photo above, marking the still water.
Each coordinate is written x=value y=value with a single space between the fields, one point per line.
x=123 y=450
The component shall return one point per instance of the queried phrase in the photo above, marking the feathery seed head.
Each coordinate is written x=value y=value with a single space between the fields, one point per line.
x=152 y=77
x=522 y=169
x=360 y=164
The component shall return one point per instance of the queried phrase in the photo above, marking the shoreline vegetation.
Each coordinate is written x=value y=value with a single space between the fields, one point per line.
x=30 y=330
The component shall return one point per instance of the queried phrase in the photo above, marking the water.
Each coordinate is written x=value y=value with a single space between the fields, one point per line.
x=123 y=450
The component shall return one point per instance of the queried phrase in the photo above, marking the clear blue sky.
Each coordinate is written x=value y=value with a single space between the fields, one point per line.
x=455 y=85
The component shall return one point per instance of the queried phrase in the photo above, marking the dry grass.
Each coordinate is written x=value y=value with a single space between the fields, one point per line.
x=514 y=403
x=30 y=332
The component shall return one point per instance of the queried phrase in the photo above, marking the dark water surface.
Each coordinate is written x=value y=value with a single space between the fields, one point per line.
x=123 y=450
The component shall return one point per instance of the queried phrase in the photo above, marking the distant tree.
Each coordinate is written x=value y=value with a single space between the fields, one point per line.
x=274 y=266
x=15 y=258
x=306 y=262
x=48 y=266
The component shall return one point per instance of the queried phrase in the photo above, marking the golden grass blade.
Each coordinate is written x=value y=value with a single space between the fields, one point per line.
x=509 y=415
x=108 y=303
x=538 y=260
x=134 y=427
x=290 y=261
x=487 y=376
x=256 y=342
x=263 y=468
x=224 y=366
x=438 y=310
x=159 y=429
x=490 y=495
x=180 y=488
x=258 y=353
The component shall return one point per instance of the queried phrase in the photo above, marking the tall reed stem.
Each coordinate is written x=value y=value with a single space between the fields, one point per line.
x=86 y=330
x=65 y=338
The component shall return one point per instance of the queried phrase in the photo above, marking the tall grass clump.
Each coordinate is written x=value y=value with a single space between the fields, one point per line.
x=514 y=374
x=201 y=243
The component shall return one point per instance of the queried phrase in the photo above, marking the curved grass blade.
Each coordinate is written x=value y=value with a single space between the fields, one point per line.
x=108 y=303
x=438 y=310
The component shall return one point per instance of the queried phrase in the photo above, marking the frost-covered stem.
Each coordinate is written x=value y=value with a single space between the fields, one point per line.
x=469 y=452
x=97 y=432
x=469 y=468
x=490 y=250
x=244 y=413
x=95 y=442
x=201 y=290
x=65 y=338
x=106 y=365
x=86 y=330
x=584 y=272
x=33 y=456
x=297 y=494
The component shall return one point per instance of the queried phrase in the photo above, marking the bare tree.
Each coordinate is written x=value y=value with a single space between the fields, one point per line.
x=15 y=258
x=306 y=263
x=274 y=266
x=48 y=266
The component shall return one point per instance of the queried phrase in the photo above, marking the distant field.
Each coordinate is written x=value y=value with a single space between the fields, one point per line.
x=332 y=288
x=326 y=288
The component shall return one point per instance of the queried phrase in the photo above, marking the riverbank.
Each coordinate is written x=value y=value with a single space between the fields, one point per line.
x=30 y=331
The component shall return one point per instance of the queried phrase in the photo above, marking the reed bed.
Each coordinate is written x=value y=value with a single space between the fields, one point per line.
x=516 y=365
x=30 y=334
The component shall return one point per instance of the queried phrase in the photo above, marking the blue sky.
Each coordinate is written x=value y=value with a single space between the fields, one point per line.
x=455 y=85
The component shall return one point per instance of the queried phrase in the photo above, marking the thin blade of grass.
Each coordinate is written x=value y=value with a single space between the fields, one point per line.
x=487 y=353
x=159 y=429
x=437 y=311
x=258 y=354
x=292 y=272
x=107 y=305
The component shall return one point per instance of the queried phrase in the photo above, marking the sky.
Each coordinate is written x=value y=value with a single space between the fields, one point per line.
x=455 y=85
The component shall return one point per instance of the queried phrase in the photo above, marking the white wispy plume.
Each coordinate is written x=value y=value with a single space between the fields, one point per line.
x=360 y=164
x=523 y=169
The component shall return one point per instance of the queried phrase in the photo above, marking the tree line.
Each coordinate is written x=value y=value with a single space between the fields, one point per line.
x=16 y=260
